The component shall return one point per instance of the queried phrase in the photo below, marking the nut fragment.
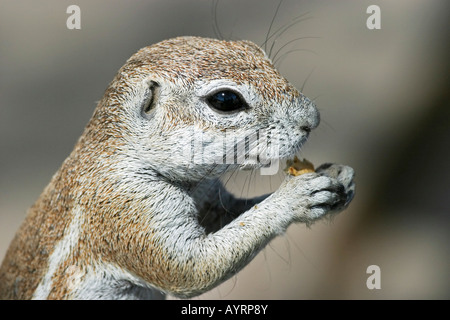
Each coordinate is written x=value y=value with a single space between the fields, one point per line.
x=298 y=167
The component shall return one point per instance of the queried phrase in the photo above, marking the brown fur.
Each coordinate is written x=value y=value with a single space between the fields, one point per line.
x=119 y=211
x=114 y=229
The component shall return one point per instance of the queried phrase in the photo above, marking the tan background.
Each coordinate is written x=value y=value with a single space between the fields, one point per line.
x=383 y=96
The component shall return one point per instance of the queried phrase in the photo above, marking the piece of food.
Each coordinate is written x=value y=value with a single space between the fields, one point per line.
x=298 y=167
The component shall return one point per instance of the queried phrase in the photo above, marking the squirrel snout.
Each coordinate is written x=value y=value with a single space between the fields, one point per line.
x=310 y=116
x=313 y=120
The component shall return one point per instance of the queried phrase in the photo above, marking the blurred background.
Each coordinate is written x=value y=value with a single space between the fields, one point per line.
x=384 y=101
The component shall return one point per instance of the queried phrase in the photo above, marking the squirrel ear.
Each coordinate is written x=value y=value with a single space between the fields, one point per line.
x=150 y=99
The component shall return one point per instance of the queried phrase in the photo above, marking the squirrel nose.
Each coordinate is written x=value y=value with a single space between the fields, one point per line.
x=307 y=129
x=311 y=116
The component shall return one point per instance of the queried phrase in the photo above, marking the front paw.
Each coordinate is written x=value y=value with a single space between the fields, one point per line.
x=344 y=175
x=313 y=195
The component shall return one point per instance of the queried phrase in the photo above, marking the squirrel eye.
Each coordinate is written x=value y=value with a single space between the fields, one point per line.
x=226 y=101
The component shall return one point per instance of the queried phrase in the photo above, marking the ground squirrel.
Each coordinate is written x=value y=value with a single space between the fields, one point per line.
x=130 y=216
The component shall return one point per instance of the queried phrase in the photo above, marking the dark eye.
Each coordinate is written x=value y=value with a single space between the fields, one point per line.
x=226 y=101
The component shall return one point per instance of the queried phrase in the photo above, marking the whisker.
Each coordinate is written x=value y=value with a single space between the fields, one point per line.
x=291 y=51
x=288 y=249
x=223 y=205
x=271 y=24
x=215 y=23
x=279 y=255
x=286 y=27
x=289 y=42
x=317 y=97
x=234 y=172
x=306 y=79
x=252 y=174
x=203 y=179
x=280 y=33
x=302 y=252
x=247 y=181
x=271 y=48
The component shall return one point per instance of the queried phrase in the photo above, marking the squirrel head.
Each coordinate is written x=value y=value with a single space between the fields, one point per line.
x=189 y=108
